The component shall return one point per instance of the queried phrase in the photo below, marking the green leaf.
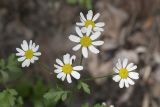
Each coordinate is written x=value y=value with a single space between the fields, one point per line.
x=99 y=105
x=12 y=92
x=5 y=75
x=56 y=95
x=20 y=101
x=84 y=86
x=8 y=98
x=9 y=69
x=2 y=64
x=85 y=105
x=64 y=96
x=39 y=89
x=72 y=1
x=12 y=64
x=79 y=86
x=81 y=2
x=89 y=4
x=38 y=103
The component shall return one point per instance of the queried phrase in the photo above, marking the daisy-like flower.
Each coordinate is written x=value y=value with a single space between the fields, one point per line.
x=86 y=41
x=28 y=54
x=125 y=73
x=90 y=20
x=65 y=69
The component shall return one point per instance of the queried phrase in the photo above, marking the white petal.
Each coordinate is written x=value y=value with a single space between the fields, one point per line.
x=93 y=49
x=24 y=45
x=98 y=43
x=115 y=70
x=119 y=64
x=74 y=38
x=32 y=60
x=82 y=16
x=20 y=54
x=35 y=49
x=66 y=58
x=121 y=84
x=125 y=61
x=96 y=17
x=79 y=32
x=57 y=70
x=117 y=78
x=75 y=74
x=89 y=29
x=60 y=75
x=19 y=50
x=26 y=63
x=126 y=83
x=95 y=35
x=132 y=68
x=82 y=20
x=37 y=53
x=84 y=29
x=85 y=52
x=69 y=78
x=131 y=82
x=57 y=66
x=100 y=24
x=29 y=62
x=35 y=58
x=21 y=59
x=33 y=46
x=59 y=62
x=78 y=68
x=77 y=47
x=63 y=78
x=134 y=75
x=80 y=24
x=89 y=15
x=72 y=59
x=129 y=66
x=30 y=44
x=98 y=29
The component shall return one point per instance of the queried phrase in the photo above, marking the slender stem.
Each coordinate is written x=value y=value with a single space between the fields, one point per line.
x=48 y=69
x=44 y=66
x=81 y=61
x=94 y=78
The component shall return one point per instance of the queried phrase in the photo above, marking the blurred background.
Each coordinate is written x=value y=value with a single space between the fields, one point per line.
x=132 y=30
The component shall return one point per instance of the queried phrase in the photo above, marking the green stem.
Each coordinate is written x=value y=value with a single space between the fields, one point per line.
x=48 y=69
x=44 y=66
x=100 y=77
x=81 y=61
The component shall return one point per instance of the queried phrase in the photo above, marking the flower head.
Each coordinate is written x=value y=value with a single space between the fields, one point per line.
x=90 y=21
x=65 y=69
x=125 y=73
x=28 y=54
x=86 y=41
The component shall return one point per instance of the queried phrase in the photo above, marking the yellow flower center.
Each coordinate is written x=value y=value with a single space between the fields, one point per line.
x=67 y=68
x=89 y=22
x=29 y=54
x=123 y=73
x=86 y=41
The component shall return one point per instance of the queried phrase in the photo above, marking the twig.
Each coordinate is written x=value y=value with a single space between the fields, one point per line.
x=93 y=78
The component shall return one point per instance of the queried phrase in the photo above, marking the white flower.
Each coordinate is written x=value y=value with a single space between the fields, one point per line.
x=28 y=54
x=64 y=69
x=125 y=73
x=86 y=41
x=90 y=20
